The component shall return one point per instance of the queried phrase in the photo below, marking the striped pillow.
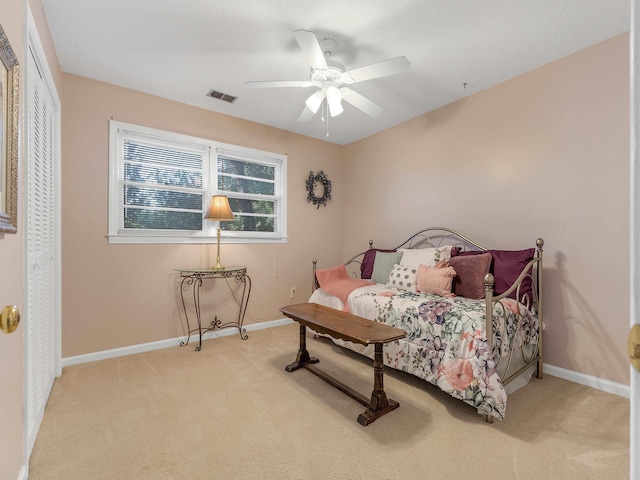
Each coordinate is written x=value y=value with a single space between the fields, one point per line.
x=383 y=265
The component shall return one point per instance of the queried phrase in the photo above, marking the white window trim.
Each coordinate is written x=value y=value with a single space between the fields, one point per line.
x=208 y=234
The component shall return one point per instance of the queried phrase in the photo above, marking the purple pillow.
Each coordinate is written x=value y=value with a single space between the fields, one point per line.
x=470 y=272
x=366 y=268
x=507 y=265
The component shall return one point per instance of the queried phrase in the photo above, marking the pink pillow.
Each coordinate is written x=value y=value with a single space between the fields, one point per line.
x=328 y=275
x=436 y=280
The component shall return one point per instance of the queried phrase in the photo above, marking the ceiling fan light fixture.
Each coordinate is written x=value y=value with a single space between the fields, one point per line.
x=329 y=76
x=334 y=99
x=314 y=101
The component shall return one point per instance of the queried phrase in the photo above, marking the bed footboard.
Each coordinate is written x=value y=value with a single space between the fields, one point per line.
x=530 y=354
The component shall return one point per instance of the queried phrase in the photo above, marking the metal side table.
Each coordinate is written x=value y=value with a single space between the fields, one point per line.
x=193 y=277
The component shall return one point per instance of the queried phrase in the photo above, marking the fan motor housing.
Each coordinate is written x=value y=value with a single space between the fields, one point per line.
x=332 y=76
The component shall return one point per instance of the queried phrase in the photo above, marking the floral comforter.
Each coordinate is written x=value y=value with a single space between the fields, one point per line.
x=446 y=343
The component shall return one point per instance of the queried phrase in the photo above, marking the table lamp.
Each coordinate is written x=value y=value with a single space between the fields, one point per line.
x=220 y=210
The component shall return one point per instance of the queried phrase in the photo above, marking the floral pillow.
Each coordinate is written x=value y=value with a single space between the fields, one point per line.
x=414 y=257
x=403 y=278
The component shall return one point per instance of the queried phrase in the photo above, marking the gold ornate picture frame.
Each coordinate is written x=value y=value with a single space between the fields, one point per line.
x=9 y=109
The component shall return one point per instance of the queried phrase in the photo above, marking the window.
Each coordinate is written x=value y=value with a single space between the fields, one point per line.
x=161 y=183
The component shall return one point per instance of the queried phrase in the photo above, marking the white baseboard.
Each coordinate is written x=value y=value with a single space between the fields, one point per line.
x=580 y=378
x=171 y=342
x=589 y=381
x=23 y=475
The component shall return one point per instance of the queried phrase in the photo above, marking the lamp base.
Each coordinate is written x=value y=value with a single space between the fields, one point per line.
x=218 y=266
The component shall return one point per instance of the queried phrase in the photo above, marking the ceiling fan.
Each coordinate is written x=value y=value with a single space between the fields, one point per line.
x=330 y=78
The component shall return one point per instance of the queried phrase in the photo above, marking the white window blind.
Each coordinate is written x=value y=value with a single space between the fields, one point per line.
x=163 y=186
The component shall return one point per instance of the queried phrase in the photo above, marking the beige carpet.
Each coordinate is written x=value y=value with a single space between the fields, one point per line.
x=232 y=412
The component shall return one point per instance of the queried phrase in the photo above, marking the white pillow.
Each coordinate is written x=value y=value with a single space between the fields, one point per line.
x=414 y=257
x=403 y=278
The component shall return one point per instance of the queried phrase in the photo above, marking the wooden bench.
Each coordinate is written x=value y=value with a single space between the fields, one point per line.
x=346 y=326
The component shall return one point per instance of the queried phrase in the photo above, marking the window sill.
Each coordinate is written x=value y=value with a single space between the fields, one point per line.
x=146 y=239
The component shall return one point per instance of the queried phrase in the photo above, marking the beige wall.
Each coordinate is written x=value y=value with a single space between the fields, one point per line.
x=117 y=295
x=543 y=155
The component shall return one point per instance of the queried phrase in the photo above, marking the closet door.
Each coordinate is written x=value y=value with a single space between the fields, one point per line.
x=41 y=266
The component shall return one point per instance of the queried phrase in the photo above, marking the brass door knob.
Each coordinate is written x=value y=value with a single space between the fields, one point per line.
x=633 y=346
x=9 y=319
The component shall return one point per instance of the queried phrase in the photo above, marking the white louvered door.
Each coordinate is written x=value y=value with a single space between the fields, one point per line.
x=41 y=266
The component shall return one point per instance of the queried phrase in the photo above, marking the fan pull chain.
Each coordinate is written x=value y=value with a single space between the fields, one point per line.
x=328 y=125
x=325 y=113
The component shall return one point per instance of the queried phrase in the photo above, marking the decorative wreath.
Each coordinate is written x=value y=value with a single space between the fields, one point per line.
x=313 y=179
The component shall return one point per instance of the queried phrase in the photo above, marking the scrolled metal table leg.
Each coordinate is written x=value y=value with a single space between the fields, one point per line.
x=196 y=303
x=246 y=293
x=189 y=281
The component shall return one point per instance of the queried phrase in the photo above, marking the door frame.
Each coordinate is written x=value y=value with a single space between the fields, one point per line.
x=634 y=224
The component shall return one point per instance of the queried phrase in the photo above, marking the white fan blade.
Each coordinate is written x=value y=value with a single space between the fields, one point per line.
x=306 y=115
x=362 y=103
x=385 y=68
x=311 y=48
x=279 y=83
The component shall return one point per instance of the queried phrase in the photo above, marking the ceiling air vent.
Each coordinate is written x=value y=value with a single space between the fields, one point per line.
x=221 y=96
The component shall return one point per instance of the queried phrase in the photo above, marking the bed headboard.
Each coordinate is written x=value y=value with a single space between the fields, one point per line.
x=437 y=237
x=426 y=238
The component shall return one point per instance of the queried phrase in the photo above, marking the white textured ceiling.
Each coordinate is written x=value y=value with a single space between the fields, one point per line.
x=181 y=49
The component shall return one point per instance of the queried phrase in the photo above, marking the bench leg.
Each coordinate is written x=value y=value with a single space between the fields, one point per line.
x=303 y=356
x=379 y=404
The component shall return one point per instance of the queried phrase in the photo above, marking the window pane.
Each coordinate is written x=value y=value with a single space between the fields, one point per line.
x=249 y=224
x=162 y=219
x=246 y=169
x=244 y=185
x=162 y=175
x=152 y=197
x=252 y=206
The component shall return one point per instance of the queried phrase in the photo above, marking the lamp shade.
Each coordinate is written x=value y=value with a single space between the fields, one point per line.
x=219 y=209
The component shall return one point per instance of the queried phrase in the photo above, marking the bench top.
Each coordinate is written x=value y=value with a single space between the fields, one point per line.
x=342 y=325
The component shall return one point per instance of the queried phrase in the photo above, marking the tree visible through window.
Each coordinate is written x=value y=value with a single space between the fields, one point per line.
x=251 y=188
x=161 y=185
